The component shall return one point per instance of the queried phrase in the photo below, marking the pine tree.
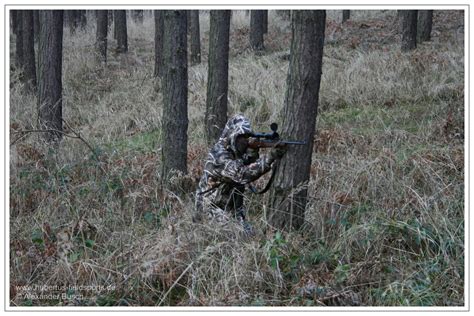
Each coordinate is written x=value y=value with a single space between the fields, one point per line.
x=218 y=74
x=175 y=93
x=29 y=61
x=50 y=53
x=288 y=196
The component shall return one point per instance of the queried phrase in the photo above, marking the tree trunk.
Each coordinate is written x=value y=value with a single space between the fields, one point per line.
x=29 y=62
x=159 y=27
x=288 y=197
x=256 y=30
x=265 y=21
x=114 y=18
x=36 y=23
x=82 y=19
x=72 y=20
x=218 y=74
x=14 y=20
x=175 y=93
x=50 y=53
x=346 y=14
x=101 y=35
x=19 y=39
x=120 y=19
x=409 y=24
x=188 y=17
x=425 y=23
x=195 y=38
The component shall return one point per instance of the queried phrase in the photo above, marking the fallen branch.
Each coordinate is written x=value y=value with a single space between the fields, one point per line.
x=51 y=130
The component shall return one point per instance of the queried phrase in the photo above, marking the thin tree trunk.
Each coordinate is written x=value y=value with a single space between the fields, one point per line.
x=72 y=20
x=101 y=35
x=425 y=23
x=82 y=19
x=29 y=62
x=218 y=74
x=36 y=23
x=265 y=21
x=256 y=30
x=346 y=14
x=19 y=39
x=14 y=20
x=114 y=18
x=121 y=24
x=49 y=73
x=409 y=25
x=159 y=27
x=195 y=38
x=175 y=93
x=288 y=197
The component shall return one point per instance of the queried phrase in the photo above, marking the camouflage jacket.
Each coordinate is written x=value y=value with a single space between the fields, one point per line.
x=221 y=187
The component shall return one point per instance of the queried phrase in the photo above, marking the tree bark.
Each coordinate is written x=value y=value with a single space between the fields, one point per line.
x=120 y=19
x=256 y=30
x=346 y=14
x=425 y=23
x=72 y=17
x=288 y=196
x=36 y=24
x=49 y=73
x=114 y=15
x=409 y=24
x=14 y=20
x=195 y=37
x=175 y=93
x=218 y=74
x=19 y=39
x=101 y=35
x=29 y=61
x=82 y=19
x=159 y=27
x=265 y=21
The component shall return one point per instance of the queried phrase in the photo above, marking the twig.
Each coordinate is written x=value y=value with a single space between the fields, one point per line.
x=29 y=131
x=52 y=130
x=84 y=141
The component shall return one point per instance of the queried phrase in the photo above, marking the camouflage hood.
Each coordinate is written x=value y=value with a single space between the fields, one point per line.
x=237 y=125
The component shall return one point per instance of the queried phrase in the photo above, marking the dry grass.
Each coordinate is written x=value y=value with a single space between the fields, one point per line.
x=385 y=222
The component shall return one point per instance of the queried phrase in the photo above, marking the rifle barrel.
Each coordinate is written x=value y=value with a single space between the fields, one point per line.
x=290 y=142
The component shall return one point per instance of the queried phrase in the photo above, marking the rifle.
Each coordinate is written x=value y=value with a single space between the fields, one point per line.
x=270 y=140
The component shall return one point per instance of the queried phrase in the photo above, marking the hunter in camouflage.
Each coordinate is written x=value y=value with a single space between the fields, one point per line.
x=229 y=167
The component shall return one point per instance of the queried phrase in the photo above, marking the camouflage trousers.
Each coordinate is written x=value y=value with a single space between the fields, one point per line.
x=225 y=205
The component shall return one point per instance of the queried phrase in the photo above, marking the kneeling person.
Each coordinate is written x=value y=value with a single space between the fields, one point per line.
x=229 y=166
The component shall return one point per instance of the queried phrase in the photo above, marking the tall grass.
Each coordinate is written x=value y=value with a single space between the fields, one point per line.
x=385 y=220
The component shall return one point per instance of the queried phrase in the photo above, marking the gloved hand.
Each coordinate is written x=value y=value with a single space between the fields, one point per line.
x=278 y=152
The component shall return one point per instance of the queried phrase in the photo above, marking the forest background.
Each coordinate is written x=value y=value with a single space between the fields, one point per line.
x=384 y=223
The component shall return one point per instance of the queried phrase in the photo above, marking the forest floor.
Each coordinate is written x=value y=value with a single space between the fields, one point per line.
x=385 y=222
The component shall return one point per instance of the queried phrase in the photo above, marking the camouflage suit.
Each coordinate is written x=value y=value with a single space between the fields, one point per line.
x=226 y=172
